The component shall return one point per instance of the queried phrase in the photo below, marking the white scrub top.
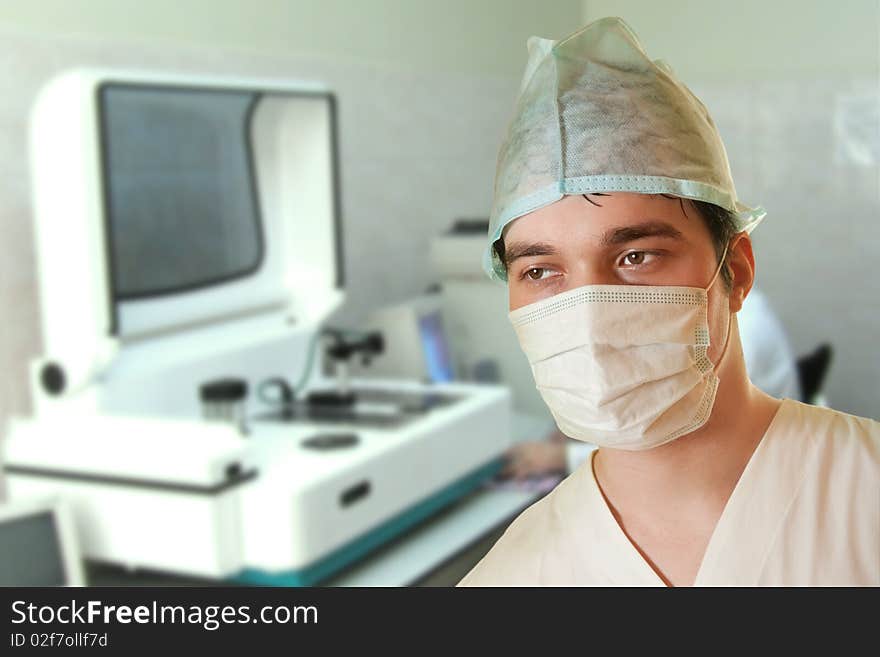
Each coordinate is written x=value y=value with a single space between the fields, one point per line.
x=806 y=511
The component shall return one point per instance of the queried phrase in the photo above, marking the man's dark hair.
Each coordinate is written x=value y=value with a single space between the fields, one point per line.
x=722 y=227
x=720 y=222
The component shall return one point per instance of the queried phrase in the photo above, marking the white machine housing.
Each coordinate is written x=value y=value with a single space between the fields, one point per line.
x=475 y=313
x=117 y=426
x=293 y=142
x=340 y=496
x=143 y=490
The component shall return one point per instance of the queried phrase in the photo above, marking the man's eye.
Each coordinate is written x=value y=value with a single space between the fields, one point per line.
x=634 y=258
x=537 y=273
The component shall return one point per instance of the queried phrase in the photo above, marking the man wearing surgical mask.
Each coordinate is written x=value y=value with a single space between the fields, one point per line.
x=627 y=256
x=770 y=365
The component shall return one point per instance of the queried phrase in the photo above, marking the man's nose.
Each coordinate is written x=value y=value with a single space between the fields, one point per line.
x=590 y=271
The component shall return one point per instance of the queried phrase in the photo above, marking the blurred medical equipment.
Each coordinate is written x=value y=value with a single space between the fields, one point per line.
x=417 y=345
x=38 y=544
x=595 y=114
x=188 y=233
x=143 y=490
x=481 y=339
x=224 y=400
x=339 y=354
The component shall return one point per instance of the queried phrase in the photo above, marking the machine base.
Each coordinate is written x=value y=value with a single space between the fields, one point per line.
x=351 y=552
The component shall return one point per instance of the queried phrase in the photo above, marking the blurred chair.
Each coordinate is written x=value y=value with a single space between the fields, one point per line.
x=812 y=369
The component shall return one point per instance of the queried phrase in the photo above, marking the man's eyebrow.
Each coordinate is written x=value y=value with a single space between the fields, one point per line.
x=518 y=250
x=638 y=231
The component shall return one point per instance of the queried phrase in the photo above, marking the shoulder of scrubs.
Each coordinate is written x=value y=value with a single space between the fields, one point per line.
x=830 y=534
x=516 y=558
x=806 y=511
x=770 y=361
x=843 y=441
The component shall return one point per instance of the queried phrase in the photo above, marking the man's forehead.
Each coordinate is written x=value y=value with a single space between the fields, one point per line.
x=607 y=220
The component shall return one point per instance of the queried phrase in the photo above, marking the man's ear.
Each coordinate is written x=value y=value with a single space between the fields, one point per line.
x=741 y=263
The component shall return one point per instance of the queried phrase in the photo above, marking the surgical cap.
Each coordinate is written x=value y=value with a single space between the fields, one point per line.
x=596 y=114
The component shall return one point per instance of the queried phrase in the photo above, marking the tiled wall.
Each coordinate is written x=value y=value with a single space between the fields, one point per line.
x=809 y=152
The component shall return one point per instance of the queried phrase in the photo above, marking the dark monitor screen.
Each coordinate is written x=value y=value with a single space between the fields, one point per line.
x=30 y=553
x=180 y=196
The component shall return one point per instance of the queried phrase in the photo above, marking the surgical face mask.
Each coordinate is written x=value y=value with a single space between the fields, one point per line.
x=622 y=366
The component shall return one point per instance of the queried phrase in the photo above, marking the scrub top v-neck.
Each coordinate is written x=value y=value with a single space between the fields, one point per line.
x=805 y=511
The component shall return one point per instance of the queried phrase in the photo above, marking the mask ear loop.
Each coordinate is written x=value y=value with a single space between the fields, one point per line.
x=718 y=270
x=729 y=314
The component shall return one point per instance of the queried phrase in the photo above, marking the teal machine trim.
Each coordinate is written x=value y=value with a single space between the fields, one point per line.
x=354 y=550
